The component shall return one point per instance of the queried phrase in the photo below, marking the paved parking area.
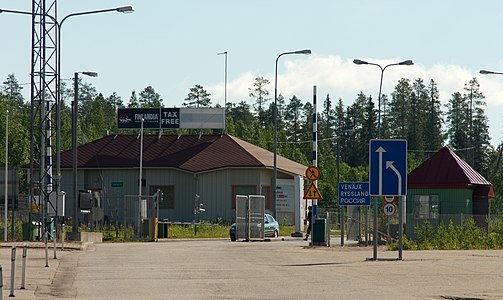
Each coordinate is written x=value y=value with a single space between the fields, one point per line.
x=220 y=269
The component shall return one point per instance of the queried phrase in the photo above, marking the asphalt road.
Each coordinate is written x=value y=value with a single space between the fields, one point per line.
x=220 y=269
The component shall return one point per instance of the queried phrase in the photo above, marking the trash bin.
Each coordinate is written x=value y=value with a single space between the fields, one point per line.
x=26 y=231
x=33 y=234
x=146 y=227
x=319 y=232
x=162 y=231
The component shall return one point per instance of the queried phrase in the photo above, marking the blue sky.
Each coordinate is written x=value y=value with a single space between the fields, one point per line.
x=173 y=45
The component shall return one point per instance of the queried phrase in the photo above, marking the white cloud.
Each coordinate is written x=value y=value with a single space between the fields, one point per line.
x=341 y=78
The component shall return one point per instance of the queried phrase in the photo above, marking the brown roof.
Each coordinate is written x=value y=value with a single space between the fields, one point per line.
x=192 y=153
x=447 y=170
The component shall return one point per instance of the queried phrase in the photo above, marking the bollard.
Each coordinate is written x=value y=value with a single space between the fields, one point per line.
x=54 y=239
x=23 y=271
x=63 y=237
x=12 y=269
x=46 y=249
x=1 y=283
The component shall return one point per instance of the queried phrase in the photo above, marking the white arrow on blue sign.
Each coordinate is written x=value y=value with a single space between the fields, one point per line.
x=388 y=167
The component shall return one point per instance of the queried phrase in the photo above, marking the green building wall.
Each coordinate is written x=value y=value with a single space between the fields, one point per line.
x=454 y=204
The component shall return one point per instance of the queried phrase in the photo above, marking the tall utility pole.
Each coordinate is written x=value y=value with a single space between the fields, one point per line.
x=44 y=101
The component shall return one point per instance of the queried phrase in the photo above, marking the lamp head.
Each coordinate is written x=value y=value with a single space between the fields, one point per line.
x=360 y=62
x=125 y=9
x=406 y=63
x=486 y=72
x=305 y=51
x=91 y=74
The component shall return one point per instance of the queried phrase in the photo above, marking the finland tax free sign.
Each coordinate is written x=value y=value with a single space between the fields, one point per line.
x=173 y=118
x=354 y=194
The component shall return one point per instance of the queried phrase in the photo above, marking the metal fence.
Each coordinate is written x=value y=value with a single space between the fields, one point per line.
x=250 y=217
x=359 y=223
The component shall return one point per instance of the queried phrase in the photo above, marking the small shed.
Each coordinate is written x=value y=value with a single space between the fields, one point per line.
x=445 y=188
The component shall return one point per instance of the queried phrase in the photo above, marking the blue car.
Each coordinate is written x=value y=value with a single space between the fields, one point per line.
x=271 y=228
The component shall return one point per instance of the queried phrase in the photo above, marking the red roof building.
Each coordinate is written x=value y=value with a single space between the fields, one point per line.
x=445 y=188
x=213 y=167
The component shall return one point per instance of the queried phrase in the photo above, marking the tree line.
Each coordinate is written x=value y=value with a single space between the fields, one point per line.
x=412 y=111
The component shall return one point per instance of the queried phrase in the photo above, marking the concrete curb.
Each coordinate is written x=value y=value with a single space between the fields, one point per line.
x=50 y=245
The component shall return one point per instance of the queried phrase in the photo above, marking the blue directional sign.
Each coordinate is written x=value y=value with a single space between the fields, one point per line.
x=354 y=194
x=388 y=167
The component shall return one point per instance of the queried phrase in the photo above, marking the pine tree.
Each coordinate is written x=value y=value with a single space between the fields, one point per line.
x=260 y=94
x=358 y=123
x=478 y=130
x=133 y=101
x=400 y=109
x=433 y=137
x=12 y=89
x=197 y=97
x=417 y=118
x=385 y=117
x=149 y=98
x=457 y=120
x=293 y=118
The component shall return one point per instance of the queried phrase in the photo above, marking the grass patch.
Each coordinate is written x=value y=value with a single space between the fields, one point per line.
x=202 y=231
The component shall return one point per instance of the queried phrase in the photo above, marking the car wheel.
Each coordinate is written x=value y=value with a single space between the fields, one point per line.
x=233 y=238
x=276 y=234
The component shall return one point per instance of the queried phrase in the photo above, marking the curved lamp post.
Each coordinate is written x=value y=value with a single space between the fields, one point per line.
x=121 y=9
x=402 y=63
x=362 y=62
x=275 y=174
x=225 y=88
x=75 y=105
x=490 y=72
x=486 y=72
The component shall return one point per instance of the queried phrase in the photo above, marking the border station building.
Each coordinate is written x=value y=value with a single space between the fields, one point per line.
x=214 y=167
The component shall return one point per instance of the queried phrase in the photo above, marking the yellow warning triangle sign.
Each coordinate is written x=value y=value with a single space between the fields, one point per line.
x=313 y=193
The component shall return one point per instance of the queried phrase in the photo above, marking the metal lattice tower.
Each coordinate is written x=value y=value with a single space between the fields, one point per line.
x=44 y=103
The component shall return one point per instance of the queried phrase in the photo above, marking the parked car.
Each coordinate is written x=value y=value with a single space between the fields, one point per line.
x=271 y=228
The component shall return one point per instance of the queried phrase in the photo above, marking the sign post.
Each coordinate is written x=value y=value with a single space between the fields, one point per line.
x=352 y=194
x=312 y=192
x=387 y=177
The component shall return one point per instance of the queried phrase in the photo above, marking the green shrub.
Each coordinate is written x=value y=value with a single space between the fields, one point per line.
x=407 y=244
x=466 y=236
x=425 y=235
x=473 y=236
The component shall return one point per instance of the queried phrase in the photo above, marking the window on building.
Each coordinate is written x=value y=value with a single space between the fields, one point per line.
x=244 y=190
x=426 y=207
x=168 y=195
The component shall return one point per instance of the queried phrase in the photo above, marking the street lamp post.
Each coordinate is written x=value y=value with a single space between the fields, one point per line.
x=74 y=149
x=275 y=172
x=6 y=172
x=402 y=63
x=485 y=72
x=122 y=9
x=225 y=86
x=362 y=62
x=500 y=147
